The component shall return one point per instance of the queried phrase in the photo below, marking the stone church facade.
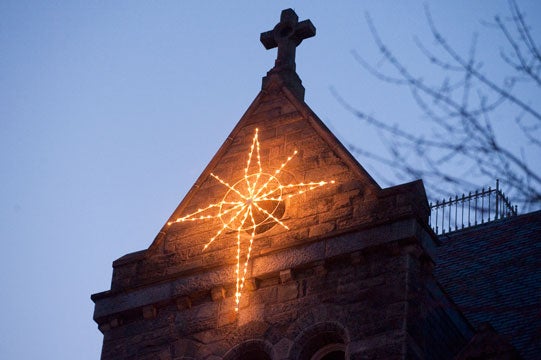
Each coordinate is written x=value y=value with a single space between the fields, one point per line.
x=319 y=262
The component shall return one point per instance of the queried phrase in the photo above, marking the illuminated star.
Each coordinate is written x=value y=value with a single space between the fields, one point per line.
x=250 y=203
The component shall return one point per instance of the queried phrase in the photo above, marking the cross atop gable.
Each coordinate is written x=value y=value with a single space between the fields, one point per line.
x=286 y=36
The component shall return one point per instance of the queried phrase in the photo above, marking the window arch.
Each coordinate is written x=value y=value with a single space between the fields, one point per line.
x=250 y=350
x=322 y=341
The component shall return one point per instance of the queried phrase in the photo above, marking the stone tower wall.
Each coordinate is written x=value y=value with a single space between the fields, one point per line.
x=350 y=274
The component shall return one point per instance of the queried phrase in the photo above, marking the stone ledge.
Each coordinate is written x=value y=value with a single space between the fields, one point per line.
x=108 y=304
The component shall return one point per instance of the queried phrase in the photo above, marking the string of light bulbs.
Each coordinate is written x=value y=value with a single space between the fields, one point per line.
x=244 y=206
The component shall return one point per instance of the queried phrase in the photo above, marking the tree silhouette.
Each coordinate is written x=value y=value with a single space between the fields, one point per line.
x=466 y=110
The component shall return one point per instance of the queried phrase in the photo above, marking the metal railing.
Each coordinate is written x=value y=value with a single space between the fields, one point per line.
x=464 y=211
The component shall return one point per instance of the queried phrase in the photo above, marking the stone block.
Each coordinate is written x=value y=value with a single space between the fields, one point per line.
x=341 y=200
x=326 y=173
x=183 y=303
x=324 y=205
x=207 y=337
x=227 y=317
x=288 y=258
x=356 y=257
x=251 y=284
x=321 y=229
x=320 y=269
x=281 y=348
x=149 y=312
x=217 y=293
x=264 y=295
x=116 y=322
x=205 y=311
x=337 y=214
x=291 y=128
x=104 y=327
x=287 y=292
x=281 y=317
x=184 y=347
x=286 y=275
x=251 y=313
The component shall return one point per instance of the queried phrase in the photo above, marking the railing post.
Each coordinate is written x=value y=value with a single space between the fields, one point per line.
x=476 y=197
x=437 y=210
x=497 y=197
x=456 y=210
x=462 y=216
x=443 y=216
x=482 y=205
x=469 y=209
x=489 y=196
x=450 y=210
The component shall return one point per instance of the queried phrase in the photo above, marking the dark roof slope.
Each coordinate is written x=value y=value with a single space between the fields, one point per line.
x=493 y=273
x=488 y=344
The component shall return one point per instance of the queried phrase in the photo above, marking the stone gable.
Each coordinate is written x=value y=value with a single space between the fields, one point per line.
x=344 y=273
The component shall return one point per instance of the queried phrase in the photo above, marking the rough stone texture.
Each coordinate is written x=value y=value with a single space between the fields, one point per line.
x=379 y=301
x=367 y=301
x=353 y=269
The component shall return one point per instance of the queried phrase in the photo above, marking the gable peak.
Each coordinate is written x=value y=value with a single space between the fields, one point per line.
x=286 y=36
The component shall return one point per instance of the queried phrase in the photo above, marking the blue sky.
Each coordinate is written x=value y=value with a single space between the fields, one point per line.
x=109 y=110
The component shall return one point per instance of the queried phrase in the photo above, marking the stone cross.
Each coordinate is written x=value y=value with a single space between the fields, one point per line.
x=287 y=35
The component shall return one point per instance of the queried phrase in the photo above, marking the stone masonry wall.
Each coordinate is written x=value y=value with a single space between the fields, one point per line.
x=351 y=271
x=366 y=299
x=362 y=293
x=353 y=200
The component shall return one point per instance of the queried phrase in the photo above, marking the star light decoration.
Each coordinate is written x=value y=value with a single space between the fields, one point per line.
x=254 y=201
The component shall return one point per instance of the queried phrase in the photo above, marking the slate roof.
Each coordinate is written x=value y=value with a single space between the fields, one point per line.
x=488 y=344
x=493 y=273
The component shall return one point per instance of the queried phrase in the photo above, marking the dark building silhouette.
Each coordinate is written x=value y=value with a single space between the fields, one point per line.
x=286 y=248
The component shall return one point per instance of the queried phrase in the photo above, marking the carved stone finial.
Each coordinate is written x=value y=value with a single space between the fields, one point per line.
x=286 y=36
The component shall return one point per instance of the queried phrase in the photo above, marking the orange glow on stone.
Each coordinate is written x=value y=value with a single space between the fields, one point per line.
x=242 y=208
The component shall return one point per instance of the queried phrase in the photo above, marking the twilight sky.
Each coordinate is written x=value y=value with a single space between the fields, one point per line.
x=109 y=110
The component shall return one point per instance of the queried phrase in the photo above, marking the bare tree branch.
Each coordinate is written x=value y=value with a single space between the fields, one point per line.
x=465 y=112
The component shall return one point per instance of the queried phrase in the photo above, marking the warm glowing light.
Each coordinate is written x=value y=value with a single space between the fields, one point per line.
x=249 y=203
